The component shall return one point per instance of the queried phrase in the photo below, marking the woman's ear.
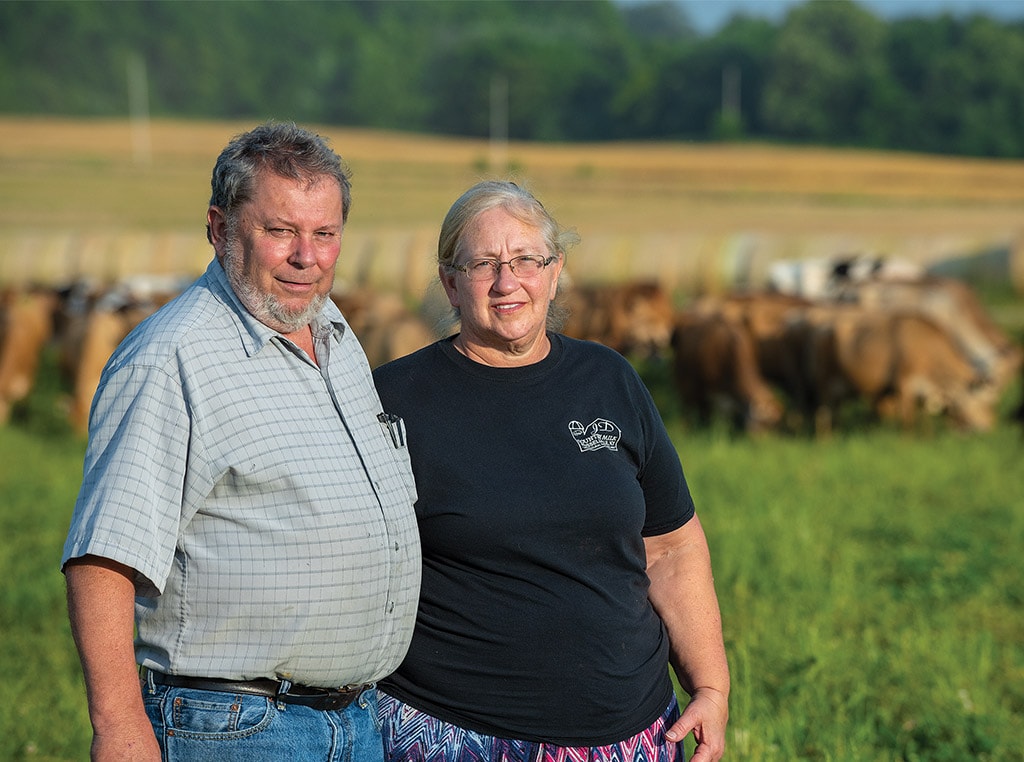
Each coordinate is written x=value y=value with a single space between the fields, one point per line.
x=447 y=277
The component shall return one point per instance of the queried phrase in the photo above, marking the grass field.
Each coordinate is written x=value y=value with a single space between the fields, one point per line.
x=871 y=589
x=871 y=586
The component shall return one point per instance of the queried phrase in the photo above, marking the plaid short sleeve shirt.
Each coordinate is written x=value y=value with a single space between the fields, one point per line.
x=266 y=509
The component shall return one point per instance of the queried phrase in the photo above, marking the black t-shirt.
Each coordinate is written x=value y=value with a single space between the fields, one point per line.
x=536 y=487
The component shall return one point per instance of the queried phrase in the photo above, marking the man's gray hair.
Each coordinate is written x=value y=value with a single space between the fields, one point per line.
x=283 y=148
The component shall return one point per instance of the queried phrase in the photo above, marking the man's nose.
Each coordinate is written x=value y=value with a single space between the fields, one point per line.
x=303 y=252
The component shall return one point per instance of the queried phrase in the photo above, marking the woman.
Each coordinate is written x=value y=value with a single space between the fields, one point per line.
x=564 y=566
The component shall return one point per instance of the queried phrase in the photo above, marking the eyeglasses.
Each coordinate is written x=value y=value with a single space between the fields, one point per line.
x=526 y=266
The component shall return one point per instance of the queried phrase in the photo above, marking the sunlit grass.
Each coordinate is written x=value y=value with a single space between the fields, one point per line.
x=871 y=591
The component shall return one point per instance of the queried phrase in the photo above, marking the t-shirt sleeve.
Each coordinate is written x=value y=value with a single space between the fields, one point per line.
x=666 y=493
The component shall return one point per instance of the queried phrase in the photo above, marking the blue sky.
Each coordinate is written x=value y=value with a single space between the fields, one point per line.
x=708 y=15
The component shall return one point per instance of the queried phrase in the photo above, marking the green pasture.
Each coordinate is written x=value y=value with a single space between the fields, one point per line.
x=871 y=588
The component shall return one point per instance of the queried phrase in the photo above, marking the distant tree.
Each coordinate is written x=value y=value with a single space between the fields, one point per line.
x=828 y=59
x=975 y=93
x=745 y=48
x=658 y=20
x=562 y=61
x=379 y=78
x=830 y=73
x=899 y=116
x=956 y=86
x=684 y=91
x=61 y=58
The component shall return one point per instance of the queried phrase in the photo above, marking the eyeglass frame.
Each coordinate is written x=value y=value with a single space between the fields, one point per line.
x=497 y=263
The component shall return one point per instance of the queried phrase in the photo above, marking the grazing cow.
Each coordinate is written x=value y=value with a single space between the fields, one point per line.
x=110 y=315
x=633 y=317
x=905 y=365
x=388 y=341
x=953 y=305
x=76 y=301
x=103 y=330
x=26 y=324
x=716 y=371
x=764 y=315
x=387 y=329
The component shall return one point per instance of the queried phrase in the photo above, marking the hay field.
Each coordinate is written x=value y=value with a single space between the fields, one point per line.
x=106 y=198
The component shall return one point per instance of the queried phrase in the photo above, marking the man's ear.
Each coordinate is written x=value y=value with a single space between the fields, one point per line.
x=216 y=228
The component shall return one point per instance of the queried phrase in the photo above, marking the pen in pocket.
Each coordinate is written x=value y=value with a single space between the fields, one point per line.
x=395 y=427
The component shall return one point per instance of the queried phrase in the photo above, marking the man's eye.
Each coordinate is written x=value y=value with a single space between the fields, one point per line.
x=279 y=232
x=481 y=265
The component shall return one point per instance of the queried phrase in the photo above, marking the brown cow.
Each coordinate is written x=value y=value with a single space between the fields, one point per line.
x=765 y=316
x=70 y=321
x=385 y=326
x=91 y=338
x=104 y=329
x=402 y=335
x=905 y=365
x=26 y=324
x=716 y=371
x=632 y=317
x=953 y=305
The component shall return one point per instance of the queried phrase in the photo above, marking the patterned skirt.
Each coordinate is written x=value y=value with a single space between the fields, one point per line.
x=414 y=736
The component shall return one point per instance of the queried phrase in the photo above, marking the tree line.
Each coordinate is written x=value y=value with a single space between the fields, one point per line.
x=829 y=73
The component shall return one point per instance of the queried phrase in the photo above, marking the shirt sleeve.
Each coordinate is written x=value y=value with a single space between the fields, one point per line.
x=666 y=493
x=130 y=503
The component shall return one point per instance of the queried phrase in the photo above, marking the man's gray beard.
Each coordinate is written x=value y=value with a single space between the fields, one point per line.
x=264 y=307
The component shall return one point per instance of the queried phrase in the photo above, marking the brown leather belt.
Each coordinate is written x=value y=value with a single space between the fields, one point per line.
x=325 y=699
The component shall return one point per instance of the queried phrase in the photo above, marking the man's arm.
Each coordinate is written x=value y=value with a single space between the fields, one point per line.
x=682 y=591
x=101 y=607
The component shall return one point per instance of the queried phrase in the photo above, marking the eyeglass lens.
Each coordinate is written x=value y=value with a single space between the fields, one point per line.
x=524 y=267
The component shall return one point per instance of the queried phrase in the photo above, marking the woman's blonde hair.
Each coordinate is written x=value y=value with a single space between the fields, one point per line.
x=519 y=203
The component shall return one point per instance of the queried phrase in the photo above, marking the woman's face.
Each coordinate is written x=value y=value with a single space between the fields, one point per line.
x=503 y=317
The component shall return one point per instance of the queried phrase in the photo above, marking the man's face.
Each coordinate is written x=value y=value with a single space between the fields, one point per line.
x=281 y=257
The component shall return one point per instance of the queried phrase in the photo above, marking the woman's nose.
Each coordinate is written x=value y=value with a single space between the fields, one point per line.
x=505 y=280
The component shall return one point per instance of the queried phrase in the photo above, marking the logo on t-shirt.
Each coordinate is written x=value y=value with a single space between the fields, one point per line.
x=600 y=433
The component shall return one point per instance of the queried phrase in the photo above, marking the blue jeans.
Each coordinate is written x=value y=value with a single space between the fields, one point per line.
x=213 y=726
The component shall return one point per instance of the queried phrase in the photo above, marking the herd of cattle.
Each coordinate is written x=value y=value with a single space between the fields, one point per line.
x=904 y=346
x=907 y=350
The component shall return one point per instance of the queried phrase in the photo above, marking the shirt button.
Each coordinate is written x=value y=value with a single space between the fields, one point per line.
x=391 y=606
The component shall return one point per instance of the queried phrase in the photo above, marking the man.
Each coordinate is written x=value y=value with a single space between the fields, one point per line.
x=245 y=494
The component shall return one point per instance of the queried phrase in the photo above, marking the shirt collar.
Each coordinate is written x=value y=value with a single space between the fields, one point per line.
x=254 y=334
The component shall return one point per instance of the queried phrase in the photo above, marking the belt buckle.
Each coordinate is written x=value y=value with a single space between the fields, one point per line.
x=349 y=693
x=338 y=701
x=328 y=699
